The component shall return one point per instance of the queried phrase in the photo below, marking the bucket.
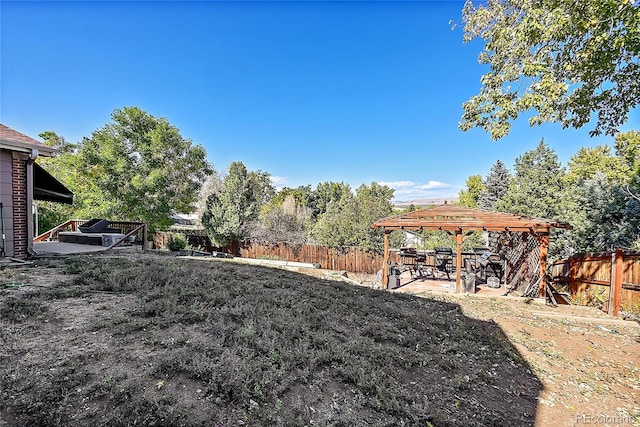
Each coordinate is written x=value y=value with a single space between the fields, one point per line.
x=493 y=282
x=394 y=281
x=469 y=283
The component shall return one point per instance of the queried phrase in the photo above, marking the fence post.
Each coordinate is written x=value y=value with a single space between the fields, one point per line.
x=616 y=286
x=572 y=277
x=612 y=281
x=144 y=238
x=544 y=249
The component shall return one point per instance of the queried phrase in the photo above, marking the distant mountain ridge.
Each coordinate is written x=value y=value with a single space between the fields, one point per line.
x=425 y=202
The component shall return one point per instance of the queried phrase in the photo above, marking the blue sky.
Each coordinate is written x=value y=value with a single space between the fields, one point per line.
x=307 y=91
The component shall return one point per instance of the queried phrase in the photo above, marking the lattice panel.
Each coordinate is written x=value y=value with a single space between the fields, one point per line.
x=521 y=255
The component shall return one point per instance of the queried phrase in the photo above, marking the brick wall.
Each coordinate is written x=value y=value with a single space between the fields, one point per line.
x=19 y=196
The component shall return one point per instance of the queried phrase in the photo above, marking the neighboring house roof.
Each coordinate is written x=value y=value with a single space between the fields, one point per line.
x=185 y=216
x=11 y=139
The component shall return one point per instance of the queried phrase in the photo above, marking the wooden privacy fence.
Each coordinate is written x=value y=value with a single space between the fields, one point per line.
x=351 y=259
x=194 y=238
x=618 y=271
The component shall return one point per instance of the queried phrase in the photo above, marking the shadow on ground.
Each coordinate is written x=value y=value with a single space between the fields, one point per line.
x=181 y=342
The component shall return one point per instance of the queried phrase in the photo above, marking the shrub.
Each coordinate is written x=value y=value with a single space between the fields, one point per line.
x=176 y=242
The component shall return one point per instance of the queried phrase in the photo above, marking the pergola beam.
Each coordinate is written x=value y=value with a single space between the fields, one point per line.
x=450 y=224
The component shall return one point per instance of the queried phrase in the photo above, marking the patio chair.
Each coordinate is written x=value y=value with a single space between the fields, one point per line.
x=444 y=260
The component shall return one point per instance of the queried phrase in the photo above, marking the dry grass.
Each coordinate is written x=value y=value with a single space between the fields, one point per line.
x=167 y=341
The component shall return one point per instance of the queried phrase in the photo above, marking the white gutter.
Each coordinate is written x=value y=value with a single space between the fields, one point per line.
x=12 y=145
x=32 y=158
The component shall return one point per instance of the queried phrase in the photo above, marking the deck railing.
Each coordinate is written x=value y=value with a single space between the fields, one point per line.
x=135 y=232
x=71 y=225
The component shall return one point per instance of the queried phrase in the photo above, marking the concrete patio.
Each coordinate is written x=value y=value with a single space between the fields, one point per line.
x=421 y=285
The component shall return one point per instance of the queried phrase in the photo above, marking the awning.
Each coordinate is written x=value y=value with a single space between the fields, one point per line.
x=47 y=188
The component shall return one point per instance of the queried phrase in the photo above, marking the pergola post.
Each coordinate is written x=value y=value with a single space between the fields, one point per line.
x=458 y=260
x=544 y=247
x=385 y=260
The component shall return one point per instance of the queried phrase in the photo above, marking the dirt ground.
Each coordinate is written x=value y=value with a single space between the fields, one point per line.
x=586 y=360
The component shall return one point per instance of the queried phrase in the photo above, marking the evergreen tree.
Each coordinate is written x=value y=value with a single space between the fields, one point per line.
x=536 y=186
x=347 y=221
x=602 y=215
x=229 y=211
x=495 y=187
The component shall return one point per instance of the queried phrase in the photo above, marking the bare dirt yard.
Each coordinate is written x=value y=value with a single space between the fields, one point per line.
x=160 y=340
x=587 y=361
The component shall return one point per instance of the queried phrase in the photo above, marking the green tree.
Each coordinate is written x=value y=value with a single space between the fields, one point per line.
x=347 y=221
x=373 y=203
x=59 y=143
x=495 y=186
x=61 y=167
x=302 y=195
x=563 y=60
x=138 y=168
x=469 y=196
x=627 y=145
x=326 y=192
x=537 y=185
x=537 y=190
x=589 y=161
x=410 y=208
x=229 y=211
x=603 y=216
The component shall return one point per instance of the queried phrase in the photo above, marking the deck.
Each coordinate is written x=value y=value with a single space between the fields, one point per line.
x=65 y=248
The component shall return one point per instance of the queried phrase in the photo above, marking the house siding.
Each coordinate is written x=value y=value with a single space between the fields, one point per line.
x=6 y=197
x=16 y=189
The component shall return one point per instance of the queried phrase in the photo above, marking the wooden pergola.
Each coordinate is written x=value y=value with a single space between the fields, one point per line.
x=460 y=222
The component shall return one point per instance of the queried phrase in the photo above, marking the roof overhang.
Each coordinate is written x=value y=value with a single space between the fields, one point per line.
x=11 y=139
x=47 y=188
x=25 y=147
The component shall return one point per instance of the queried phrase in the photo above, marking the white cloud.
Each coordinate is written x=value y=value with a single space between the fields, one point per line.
x=278 y=181
x=432 y=185
x=409 y=190
x=398 y=184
